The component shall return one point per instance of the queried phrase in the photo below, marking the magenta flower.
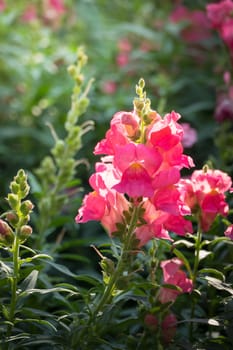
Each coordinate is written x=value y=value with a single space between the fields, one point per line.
x=217 y=13
x=204 y=193
x=229 y=232
x=172 y=274
x=142 y=164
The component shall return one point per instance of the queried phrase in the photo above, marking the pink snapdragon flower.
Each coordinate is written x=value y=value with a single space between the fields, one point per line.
x=204 y=193
x=190 y=135
x=221 y=18
x=172 y=274
x=142 y=164
x=229 y=232
x=197 y=26
x=168 y=326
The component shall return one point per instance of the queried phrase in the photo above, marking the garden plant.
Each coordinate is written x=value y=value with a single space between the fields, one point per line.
x=116 y=232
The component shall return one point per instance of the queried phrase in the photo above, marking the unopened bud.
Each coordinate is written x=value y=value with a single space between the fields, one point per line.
x=26 y=207
x=13 y=200
x=25 y=232
x=6 y=233
x=12 y=218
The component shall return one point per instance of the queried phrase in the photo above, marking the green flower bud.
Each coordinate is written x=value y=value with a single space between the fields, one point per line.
x=26 y=207
x=13 y=200
x=14 y=187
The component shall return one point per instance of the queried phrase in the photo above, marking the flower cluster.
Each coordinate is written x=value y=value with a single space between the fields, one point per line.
x=142 y=163
x=204 y=193
x=221 y=19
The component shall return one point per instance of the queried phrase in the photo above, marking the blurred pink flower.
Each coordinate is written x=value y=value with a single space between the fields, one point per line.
x=217 y=13
x=229 y=232
x=29 y=14
x=124 y=45
x=172 y=274
x=2 y=5
x=109 y=87
x=168 y=326
x=122 y=59
x=190 y=135
x=197 y=26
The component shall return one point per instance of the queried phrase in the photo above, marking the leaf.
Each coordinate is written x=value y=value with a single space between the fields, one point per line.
x=185 y=242
x=61 y=268
x=203 y=254
x=38 y=321
x=46 y=291
x=89 y=279
x=5 y=269
x=30 y=281
x=216 y=283
x=183 y=258
x=37 y=256
x=215 y=272
x=210 y=321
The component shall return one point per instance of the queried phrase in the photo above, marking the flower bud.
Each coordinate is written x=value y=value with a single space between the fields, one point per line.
x=12 y=218
x=26 y=207
x=6 y=233
x=13 y=200
x=25 y=232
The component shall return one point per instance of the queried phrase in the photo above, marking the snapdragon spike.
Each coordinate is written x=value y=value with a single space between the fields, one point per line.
x=142 y=156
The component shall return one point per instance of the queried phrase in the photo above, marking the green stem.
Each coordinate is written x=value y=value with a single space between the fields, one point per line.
x=107 y=295
x=194 y=277
x=197 y=256
x=14 y=282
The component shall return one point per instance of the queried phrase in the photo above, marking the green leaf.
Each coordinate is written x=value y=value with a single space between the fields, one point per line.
x=203 y=254
x=30 y=281
x=183 y=258
x=37 y=321
x=215 y=272
x=210 y=321
x=37 y=256
x=61 y=268
x=46 y=291
x=184 y=242
x=216 y=283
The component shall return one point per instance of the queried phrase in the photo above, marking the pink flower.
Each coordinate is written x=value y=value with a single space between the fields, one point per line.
x=2 y=5
x=29 y=14
x=172 y=274
x=109 y=87
x=124 y=45
x=204 y=193
x=197 y=26
x=229 y=232
x=142 y=162
x=217 y=13
x=168 y=326
x=190 y=135
x=226 y=33
x=122 y=59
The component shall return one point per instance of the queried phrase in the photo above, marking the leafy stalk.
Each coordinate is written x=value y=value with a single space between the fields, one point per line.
x=57 y=171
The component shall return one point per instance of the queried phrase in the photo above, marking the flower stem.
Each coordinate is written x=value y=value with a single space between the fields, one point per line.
x=14 y=282
x=194 y=276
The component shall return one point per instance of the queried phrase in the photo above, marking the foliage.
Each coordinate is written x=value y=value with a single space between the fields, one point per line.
x=158 y=271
